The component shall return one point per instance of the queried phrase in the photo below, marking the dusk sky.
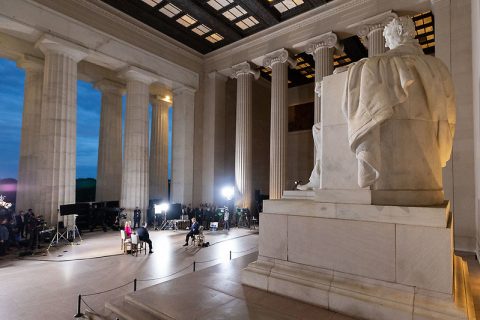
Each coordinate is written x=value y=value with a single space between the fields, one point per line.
x=88 y=122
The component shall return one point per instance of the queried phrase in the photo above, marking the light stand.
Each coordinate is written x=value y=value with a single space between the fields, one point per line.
x=163 y=208
x=73 y=228
x=57 y=237
x=228 y=193
x=64 y=235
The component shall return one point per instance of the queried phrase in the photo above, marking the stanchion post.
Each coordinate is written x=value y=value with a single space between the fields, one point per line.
x=79 y=305
x=230 y=254
x=135 y=284
x=194 y=266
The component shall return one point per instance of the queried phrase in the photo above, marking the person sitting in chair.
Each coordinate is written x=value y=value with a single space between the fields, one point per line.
x=193 y=231
x=143 y=235
x=128 y=229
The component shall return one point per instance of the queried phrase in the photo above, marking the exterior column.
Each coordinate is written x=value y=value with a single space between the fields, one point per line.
x=159 y=149
x=244 y=74
x=27 y=186
x=134 y=191
x=371 y=32
x=109 y=168
x=278 y=61
x=213 y=173
x=57 y=166
x=182 y=145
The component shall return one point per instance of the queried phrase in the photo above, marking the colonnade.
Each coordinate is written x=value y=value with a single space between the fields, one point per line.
x=47 y=167
x=322 y=49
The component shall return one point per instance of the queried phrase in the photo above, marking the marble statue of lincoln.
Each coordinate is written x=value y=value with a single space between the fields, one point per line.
x=400 y=111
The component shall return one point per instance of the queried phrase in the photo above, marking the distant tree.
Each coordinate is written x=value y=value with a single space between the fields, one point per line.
x=85 y=190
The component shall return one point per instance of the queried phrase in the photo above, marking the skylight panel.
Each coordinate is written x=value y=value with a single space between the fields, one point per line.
x=424 y=27
x=215 y=37
x=152 y=3
x=219 y=4
x=286 y=5
x=186 y=20
x=247 y=23
x=201 y=29
x=234 y=13
x=170 y=10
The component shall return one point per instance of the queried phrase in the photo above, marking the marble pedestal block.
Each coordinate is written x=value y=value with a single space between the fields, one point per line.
x=372 y=262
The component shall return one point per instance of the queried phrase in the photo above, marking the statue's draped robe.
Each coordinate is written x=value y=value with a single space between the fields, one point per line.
x=403 y=84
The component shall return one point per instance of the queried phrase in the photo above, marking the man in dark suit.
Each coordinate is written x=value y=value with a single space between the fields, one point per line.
x=193 y=231
x=143 y=235
x=19 y=221
x=136 y=217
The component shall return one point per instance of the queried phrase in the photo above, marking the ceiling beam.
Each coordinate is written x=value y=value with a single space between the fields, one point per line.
x=258 y=10
x=198 y=12
x=316 y=3
x=158 y=20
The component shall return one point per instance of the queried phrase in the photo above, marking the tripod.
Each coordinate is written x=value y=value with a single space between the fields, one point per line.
x=64 y=235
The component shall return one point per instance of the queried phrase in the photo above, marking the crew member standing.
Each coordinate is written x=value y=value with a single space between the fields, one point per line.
x=226 y=217
x=136 y=217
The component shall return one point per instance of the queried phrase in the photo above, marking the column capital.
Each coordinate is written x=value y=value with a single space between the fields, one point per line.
x=156 y=99
x=244 y=68
x=31 y=63
x=278 y=56
x=326 y=40
x=106 y=85
x=137 y=74
x=368 y=25
x=50 y=44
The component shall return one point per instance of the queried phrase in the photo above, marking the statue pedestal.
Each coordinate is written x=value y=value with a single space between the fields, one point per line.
x=373 y=262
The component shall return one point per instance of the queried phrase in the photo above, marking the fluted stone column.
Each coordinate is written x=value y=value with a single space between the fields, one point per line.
x=57 y=166
x=244 y=73
x=321 y=48
x=135 y=162
x=109 y=168
x=182 y=145
x=27 y=186
x=213 y=164
x=159 y=149
x=371 y=32
x=278 y=61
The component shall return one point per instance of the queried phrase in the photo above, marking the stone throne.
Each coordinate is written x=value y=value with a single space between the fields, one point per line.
x=378 y=252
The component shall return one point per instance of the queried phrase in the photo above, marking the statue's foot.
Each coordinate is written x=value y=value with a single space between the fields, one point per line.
x=305 y=187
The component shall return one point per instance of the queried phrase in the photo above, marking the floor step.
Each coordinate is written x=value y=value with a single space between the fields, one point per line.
x=124 y=310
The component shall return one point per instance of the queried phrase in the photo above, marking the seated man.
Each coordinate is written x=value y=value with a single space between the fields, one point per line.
x=193 y=231
x=143 y=235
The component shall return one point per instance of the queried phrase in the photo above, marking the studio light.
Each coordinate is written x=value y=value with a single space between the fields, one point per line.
x=228 y=192
x=164 y=206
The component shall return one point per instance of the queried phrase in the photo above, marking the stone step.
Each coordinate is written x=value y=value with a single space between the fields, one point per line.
x=463 y=291
x=124 y=309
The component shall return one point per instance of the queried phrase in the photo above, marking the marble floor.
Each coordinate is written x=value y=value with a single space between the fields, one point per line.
x=47 y=286
x=215 y=293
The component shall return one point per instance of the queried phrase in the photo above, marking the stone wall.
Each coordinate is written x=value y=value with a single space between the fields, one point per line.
x=453 y=47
